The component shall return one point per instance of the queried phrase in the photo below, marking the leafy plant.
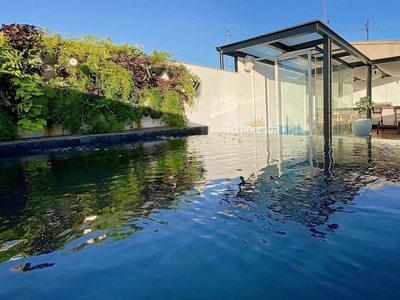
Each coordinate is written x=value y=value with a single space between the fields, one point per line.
x=172 y=110
x=8 y=130
x=110 y=87
x=28 y=107
x=160 y=57
x=20 y=89
x=365 y=103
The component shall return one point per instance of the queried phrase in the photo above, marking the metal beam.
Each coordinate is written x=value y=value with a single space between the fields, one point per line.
x=327 y=87
x=236 y=67
x=266 y=61
x=280 y=47
x=306 y=45
x=369 y=87
x=340 y=54
x=221 y=60
x=335 y=57
x=342 y=43
x=357 y=64
x=273 y=37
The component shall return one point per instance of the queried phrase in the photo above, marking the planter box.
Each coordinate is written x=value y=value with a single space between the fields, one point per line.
x=56 y=130
x=22 y=134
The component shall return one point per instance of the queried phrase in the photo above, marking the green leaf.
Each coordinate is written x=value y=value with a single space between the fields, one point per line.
x=16 y=81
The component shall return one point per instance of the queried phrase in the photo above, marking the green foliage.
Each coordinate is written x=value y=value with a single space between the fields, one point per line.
x=11 y=62
x=151 y=101
x=3 y=40
x=20 y=89
x=8 y=130
x=184 y=82
x=28 y=106
x=160 y=57
x=172 y=110
x=363 y=105
x=111 y=87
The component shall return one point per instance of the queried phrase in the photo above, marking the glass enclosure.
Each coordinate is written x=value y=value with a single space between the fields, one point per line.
x=299 y=103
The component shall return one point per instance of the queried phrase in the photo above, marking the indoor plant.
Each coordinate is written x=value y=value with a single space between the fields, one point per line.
x=362 y=126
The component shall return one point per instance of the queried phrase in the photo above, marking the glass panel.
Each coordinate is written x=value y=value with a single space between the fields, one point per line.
x=293 y=113
x=301 y=39
x=294 y=100
x=318 y=95
x=262 y=51
x=342 y=99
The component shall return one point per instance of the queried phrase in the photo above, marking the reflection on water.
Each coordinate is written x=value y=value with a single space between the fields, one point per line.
x=295 y=215
x=47 y=202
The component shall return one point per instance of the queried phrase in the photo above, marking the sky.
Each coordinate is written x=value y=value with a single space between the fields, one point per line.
x=193 y=29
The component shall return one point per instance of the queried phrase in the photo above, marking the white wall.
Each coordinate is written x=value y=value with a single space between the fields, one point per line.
x=231 y=101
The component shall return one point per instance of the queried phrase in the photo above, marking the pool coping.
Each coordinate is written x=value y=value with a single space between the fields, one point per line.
x=38 y=145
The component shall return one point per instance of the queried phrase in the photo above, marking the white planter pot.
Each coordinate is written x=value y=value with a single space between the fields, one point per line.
x=361 y=127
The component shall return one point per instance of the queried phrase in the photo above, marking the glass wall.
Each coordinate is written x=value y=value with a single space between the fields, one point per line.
x=342 y=98
x=299 y=103
x=293 y=78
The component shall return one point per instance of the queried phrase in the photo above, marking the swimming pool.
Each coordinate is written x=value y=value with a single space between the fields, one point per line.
x=221 y=216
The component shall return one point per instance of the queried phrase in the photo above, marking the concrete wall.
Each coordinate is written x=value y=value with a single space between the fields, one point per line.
x=231 y=101
x=378 y=49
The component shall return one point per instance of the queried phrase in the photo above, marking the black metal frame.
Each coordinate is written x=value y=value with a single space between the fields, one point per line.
x=327 y=38
x=382 y=126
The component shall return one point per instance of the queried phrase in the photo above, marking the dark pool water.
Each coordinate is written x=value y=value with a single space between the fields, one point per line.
x=205 y=217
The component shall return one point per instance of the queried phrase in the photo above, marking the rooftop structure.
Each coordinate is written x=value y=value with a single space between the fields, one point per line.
x=313 y=50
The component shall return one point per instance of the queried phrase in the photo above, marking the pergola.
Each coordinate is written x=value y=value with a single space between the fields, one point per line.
x=316 y=35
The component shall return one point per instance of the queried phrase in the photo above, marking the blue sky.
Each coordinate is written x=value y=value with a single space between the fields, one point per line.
x=193 y=29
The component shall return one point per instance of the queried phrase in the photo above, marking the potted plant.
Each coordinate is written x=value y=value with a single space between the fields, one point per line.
x=362 y=126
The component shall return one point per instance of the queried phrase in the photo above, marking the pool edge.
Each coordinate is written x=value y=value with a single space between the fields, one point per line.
x=34 y=145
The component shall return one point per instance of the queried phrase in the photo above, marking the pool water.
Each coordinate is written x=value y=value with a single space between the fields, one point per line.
x=221 y=216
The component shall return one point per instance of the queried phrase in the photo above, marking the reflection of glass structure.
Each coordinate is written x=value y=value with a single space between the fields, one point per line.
x=313 y=76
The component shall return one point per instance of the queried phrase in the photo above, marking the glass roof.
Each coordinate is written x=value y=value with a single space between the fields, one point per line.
x=301 y=39
x=305 y=36
x=310 y=35
x=262 y=51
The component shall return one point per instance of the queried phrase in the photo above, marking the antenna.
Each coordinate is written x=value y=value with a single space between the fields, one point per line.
x=367 y=28
x=228 y=38
x=324 y=12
